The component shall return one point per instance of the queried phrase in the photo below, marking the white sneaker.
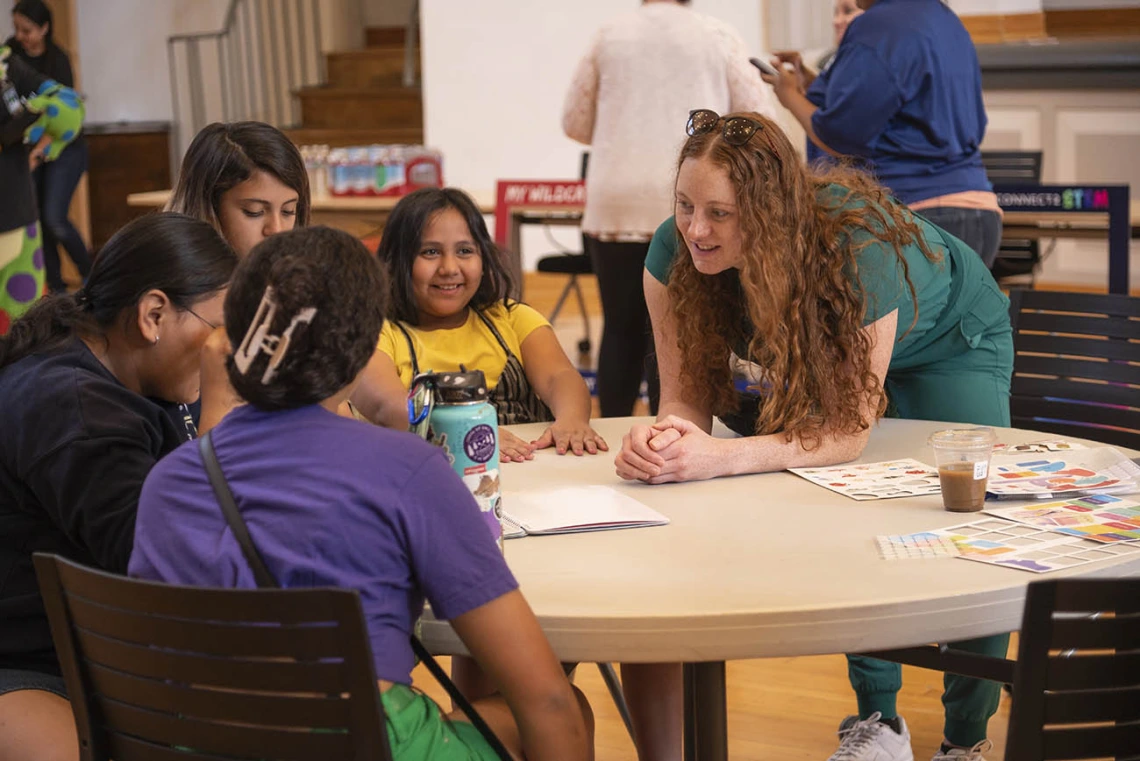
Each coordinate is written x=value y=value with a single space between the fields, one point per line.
x=965 y=754
x=871 y=740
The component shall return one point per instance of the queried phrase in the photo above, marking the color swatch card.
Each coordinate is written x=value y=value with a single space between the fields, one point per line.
x=876 y=480
x=1028 y=548
x=1100 y=517
x=1096 y=470
x=925 y=544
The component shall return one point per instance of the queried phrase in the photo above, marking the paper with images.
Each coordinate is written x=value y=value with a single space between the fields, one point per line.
x=1095 y=470
x=1028 y=548
x=574 y=509
x=1100 y=517
x=876 y=480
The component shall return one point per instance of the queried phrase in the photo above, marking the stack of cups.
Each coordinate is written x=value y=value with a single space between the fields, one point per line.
x=963 y=459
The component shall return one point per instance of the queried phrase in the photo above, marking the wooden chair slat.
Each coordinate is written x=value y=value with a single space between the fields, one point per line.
x=220 y=672
x=1061 y=388
x=199 y=702
x=308 y=641
x=1088 y=414
x=1111 y=372
x=222 y=738
x=1092 y=705
x=1121 y=741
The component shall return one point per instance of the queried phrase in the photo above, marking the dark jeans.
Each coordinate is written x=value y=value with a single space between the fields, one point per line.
x=627 y=338
x=55 y=184
x=977 y=228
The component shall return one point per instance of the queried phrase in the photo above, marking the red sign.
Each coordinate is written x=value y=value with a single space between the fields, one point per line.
x=543 y=193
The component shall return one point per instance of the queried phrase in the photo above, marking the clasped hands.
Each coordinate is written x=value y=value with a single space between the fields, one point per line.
x=672 y=449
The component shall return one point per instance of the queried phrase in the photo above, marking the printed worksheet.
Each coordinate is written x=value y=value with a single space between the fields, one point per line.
x=1096 y=470
x=1100 y=517
x=1028 y=548
x=1053 y=445
x=876 y=480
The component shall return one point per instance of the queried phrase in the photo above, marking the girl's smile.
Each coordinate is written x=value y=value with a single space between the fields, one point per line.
x=447 y=272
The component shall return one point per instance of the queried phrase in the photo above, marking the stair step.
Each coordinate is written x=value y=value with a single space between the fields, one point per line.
x=342 y=136
x=355 y=106
x=384 y=35
x=370 y=67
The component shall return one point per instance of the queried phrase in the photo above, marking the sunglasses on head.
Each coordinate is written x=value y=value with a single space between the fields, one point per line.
x=737 y=129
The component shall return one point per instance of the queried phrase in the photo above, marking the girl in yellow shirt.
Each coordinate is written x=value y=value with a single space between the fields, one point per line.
x=450 y=307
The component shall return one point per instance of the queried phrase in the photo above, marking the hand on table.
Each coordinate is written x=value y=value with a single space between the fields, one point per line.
x=576 y=437
x=672 y=449
x=514 y=449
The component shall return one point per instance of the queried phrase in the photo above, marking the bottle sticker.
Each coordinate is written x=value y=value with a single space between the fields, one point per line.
x=479 y=443
x=981 y=470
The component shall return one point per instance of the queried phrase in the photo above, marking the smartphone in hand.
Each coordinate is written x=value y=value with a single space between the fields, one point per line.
x=764 y=66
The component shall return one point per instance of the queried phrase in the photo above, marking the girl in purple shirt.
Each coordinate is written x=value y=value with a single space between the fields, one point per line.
x=331 y=501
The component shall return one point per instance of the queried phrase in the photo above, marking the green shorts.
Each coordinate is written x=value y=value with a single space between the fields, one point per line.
x=418 y=730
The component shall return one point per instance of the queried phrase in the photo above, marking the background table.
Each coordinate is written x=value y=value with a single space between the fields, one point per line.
x=753 y=567
x=361 y=216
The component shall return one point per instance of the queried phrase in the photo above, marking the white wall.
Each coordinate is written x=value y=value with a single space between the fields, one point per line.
x=994 y=7
x=122 y=53
x=495 y=74
x=494 y=77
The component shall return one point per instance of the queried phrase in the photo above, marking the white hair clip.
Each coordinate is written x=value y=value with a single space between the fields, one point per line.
x=257 y=338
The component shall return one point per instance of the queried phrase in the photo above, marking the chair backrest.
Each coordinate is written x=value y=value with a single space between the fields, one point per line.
x=1013 y=167
x=156 y=671
x=1071 y=369
x=1076 y=689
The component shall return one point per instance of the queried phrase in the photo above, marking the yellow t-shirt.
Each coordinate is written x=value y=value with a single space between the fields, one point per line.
x=471 y=344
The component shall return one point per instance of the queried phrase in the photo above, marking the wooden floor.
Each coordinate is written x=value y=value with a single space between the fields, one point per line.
x=782 y=709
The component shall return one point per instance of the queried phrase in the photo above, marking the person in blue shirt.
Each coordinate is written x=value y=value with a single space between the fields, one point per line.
x=903 y=99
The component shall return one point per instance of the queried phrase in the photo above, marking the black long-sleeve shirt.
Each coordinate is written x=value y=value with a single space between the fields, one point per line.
x=75 y=448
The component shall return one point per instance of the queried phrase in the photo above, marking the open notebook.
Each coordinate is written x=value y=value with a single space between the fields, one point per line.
x=574 y=509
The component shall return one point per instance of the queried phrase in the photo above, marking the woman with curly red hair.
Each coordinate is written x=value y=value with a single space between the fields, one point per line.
x=837 y=305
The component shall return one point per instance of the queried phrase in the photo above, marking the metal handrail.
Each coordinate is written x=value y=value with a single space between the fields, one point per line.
x=265 y=50
x=411 y=45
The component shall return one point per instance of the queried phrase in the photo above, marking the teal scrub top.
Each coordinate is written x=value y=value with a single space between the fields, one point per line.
x=959 y=304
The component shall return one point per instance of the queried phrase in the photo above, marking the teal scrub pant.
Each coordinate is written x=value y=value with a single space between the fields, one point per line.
x=971 y=388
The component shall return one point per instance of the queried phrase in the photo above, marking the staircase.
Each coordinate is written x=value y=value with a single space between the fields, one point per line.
x=364 y=100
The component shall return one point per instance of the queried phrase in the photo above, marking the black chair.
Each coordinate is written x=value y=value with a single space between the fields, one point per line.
x=1076 y=368
x=164 y=672
x=1076 y=692
x=575 y=265
x=1017 y=260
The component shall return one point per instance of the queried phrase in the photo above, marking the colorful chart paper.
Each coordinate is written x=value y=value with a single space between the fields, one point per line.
x=925 y=544
x=1097 y=470
x=1100 y=517
x=1028 y=548
x=876 y=480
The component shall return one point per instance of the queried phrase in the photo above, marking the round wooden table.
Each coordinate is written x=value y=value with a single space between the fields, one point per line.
x=753 y=567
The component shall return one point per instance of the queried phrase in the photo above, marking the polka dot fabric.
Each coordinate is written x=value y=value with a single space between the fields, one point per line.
x=21 y=278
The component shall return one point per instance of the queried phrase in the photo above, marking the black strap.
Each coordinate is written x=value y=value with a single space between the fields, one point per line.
x=233 y=517
x=265 y=580
x=411 y=348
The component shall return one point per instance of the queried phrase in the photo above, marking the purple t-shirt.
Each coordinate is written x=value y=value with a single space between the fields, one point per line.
x=329 y=501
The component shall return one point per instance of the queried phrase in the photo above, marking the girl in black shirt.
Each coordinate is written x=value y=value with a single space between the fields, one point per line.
x=85 y=380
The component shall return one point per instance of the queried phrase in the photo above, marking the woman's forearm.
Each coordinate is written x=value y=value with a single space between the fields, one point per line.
x=774 y=452
x=803 y=109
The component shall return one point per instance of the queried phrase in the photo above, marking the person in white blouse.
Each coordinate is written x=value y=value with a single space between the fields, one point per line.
x=643 y=73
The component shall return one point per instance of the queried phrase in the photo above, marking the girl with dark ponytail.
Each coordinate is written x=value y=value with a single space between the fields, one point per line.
x=85 y=382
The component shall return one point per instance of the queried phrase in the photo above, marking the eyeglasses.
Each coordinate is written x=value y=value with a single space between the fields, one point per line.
x=203 y=319
x=737 y=129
